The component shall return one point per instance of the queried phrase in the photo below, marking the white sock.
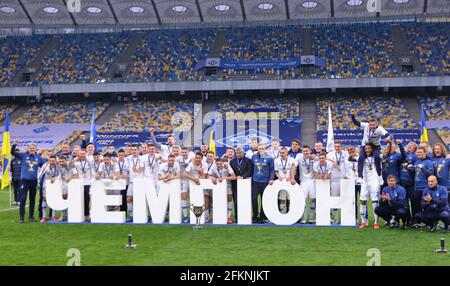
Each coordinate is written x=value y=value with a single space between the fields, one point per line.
x=184 y=208
x=335 y=214
x=230 y=209
x=44 y=209
x=363 y=212
x=206 y=215
x=130 y=208
x=312 y=209
x=375 y=217
x=283 y=207
x=305 y=215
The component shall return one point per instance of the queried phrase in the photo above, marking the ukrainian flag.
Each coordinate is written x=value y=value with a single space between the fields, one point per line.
x=423 y=127
x=6 y=153
x=212 y=141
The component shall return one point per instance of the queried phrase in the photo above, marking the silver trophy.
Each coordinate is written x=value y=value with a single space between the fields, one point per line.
x=198 y=211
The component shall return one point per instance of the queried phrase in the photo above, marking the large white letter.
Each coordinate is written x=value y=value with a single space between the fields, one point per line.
x=346 y=202
x=270 y=203
x=173 y=188
x=244 y=201
x=146 y=199
x=75 y=199
x=100 y=201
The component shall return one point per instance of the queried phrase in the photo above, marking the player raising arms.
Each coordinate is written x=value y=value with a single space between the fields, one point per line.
x=372 y=134
x=166 y=149
x=370 y=187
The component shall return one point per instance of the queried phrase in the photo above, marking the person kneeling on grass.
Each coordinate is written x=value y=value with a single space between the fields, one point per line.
x=435 y=205
x=393 y=204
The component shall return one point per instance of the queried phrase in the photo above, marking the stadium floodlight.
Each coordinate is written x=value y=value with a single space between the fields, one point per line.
x=309 y=4
x=7 y=10
x=136 y=9
x=222 y=7
x=50 y=10
x=179 y=9
x=265 y=6
x=354 y=2
x=94 y=10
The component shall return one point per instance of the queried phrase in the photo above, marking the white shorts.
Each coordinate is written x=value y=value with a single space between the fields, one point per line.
x=335 y=187
x=130 y=190
x=283 y=195
x=372 y=188
x=309 y=187
x=184 y=186
x=65 y=189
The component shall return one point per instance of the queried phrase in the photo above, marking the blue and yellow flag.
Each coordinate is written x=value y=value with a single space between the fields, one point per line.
x=93 y=136
x=423 y=127
x=6 y=153
x=212 y=141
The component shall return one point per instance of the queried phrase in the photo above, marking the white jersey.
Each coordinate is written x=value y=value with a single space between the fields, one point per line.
x=249 y=154
x=305 y=167
x=323 y=169
x=166 y=150
x=85 y=170
x=373 y=137
x=123 y=168
x=165 y=169
x=182 y=162
x=67 y=172
x=134 y=162
x=106 y=171
x=151 y=165
x=192 y=170
x=210 y=166
x=369 y=170
x=284 y=167
x=340 y=170
x=95 y=168
x=222 y=173
x=352 y=167
x=273 y=153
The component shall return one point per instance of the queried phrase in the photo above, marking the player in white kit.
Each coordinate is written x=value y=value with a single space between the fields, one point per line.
x=370 y=187
x=284 y=166
x=220 y=172
x=183 y=161
x=338 y=158
x=136 y=166
x=305 y=164
x=196 y=170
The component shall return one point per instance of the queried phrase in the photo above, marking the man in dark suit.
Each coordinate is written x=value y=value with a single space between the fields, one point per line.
x=243 y=169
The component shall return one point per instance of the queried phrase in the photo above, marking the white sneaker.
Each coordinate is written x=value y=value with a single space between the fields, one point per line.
x=381 y=181
x=359 y=181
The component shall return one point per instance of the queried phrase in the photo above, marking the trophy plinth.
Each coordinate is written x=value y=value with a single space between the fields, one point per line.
x=198 y=211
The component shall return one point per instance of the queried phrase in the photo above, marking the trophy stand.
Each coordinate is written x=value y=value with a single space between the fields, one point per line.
x=198 y=211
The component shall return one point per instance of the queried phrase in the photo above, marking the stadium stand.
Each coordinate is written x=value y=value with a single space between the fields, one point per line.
x=438 y=108
x=431 y=45
x=355 y=50
x=16 y=53
x=288 y=107
x=143 y=115
x=170 y=55
x=6 y=108
x=82 y=58
x=390 y=111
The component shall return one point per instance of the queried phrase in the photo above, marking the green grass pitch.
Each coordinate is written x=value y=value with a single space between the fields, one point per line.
x=47 y=244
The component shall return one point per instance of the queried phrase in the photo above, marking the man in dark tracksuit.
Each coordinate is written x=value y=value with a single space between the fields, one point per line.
x=435 y=205
x=30 y=163
x=393 y=202
x=16 y=168
x=263 y=175
x=407 y=171
x=423 y=168
x=243 y=169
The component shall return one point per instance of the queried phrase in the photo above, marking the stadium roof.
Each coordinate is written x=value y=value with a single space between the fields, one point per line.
x=54 y=13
